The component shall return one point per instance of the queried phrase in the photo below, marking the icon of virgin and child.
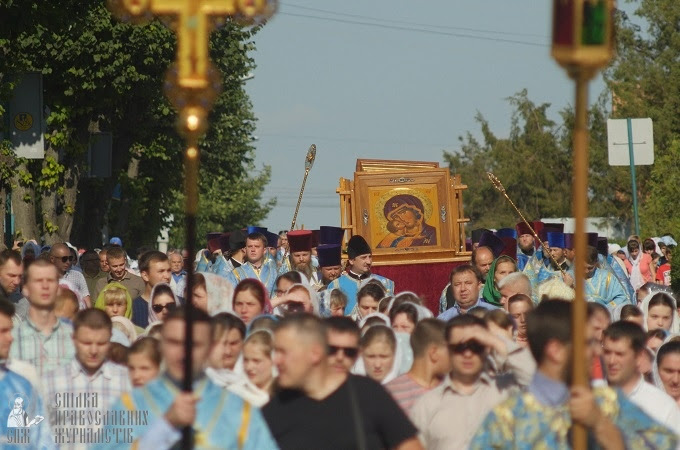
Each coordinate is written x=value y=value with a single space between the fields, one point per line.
x=406 y=225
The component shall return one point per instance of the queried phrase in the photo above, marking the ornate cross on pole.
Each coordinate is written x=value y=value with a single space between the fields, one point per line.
x=192 y=84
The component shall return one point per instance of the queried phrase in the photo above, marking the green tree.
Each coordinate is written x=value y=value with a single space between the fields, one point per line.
x=645 y=82
x=103 y=75
x=532 y=165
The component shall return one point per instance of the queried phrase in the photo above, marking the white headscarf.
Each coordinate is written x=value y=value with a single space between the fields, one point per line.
x=126 y=327
x=275 y=372
x=675 y=326
x=636 y=279
x=153 y=317
x=423 y=312
x=382 y=316
x=403 y=355
x=238 y=381
x=220 y=293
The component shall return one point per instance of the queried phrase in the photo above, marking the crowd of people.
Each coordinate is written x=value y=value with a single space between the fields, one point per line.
x=297 y=344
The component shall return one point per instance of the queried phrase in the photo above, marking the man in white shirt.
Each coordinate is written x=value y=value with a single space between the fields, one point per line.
x=624 y=345
x=61 y=257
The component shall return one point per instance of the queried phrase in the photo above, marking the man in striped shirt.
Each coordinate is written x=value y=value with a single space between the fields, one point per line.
x=430 y=364
x=42 y=339
x=88 y=382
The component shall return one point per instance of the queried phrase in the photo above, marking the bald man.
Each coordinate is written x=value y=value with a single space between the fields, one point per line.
x=303 y=413
x=62 y=257
x=482 y=258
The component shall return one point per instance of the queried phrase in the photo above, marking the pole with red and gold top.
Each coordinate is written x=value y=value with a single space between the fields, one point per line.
x=582 y=43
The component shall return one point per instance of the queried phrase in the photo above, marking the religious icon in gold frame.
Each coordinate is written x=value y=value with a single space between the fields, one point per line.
x=407 y=215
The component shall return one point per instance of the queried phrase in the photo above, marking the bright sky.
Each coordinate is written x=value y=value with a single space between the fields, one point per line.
x=389 y=79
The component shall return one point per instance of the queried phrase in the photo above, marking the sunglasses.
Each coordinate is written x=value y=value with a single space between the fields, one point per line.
x=65 y=258
x=472 y=345
x=350 y=352
x=158 y=308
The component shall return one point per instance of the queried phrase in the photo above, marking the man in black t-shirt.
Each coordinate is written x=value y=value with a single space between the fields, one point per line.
x=317 y=407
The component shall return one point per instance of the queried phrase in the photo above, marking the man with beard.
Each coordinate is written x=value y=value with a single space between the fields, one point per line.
x=300 y=258
x=89 y=262
x=329 y=253
x=358 y=273
x=330 y=263
x=11 y=270
x=539 y=270
x=526 y=246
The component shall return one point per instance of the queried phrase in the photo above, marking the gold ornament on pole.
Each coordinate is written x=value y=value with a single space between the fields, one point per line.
x=192 y=85
x=498 y=185
x=582 y=43
x=309 y=162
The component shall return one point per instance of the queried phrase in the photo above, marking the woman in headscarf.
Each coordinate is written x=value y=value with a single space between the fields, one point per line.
x=404 y=317
x=163 y=300
x=126 y=327
x=212 y=293
x=250 y=300
x=368 y=300
x=115 y=300
x=29 y=251
x=382 y=354
x=258 y=367
x=660 y=312
x=501 y=267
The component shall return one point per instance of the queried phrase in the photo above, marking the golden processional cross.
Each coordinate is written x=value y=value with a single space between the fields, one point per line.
x=192 y=85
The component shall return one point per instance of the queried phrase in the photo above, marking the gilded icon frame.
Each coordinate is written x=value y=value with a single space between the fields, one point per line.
x=407 y=216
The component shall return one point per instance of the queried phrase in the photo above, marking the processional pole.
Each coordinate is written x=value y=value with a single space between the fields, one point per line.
x=192 y=85
x=582 y=43
x=309 y=162
x=499 y=186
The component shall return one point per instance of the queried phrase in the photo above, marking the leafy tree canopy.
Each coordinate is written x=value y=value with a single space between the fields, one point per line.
x=103 y=75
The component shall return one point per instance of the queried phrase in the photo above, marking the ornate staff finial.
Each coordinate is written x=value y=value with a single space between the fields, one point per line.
x=309 y=162
x=496 y=182
x=498 y=185
x=309 y=159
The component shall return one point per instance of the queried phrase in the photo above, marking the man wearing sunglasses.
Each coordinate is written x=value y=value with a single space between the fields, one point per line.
x=448 y=415
x=343 y=343
x=61 y=256
x=320 y=407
